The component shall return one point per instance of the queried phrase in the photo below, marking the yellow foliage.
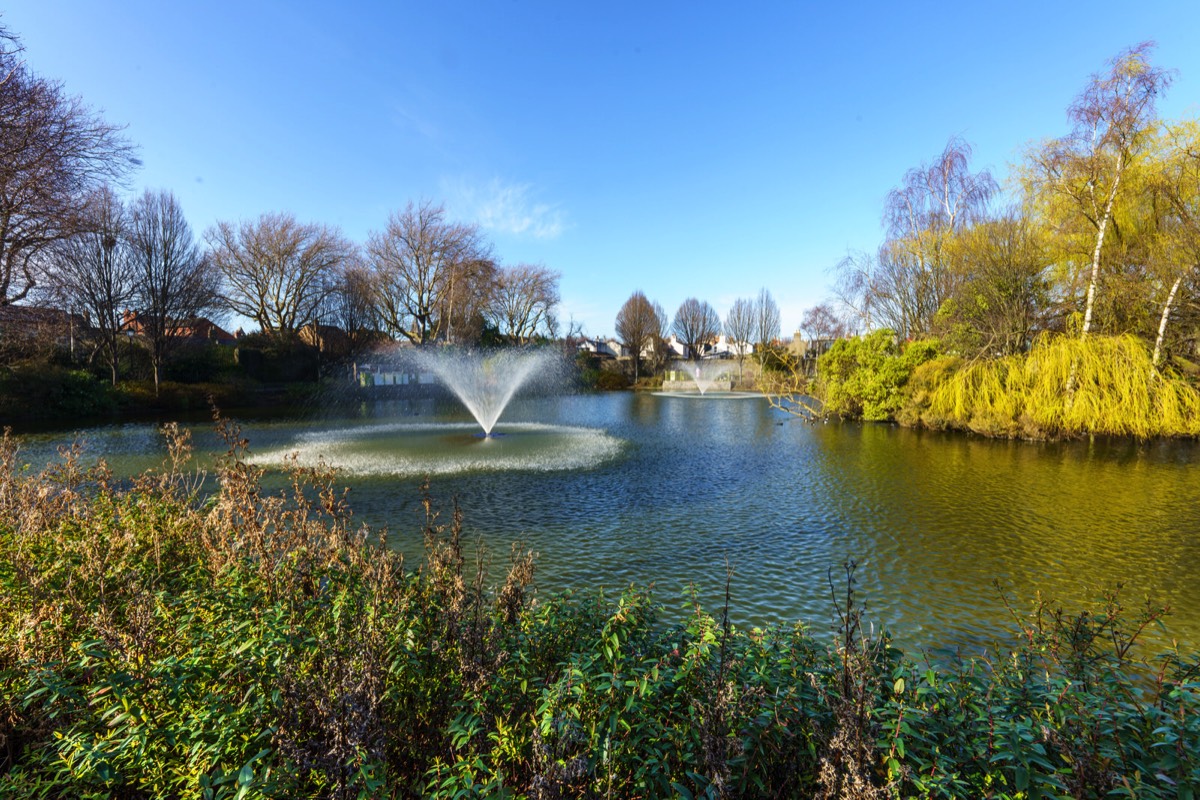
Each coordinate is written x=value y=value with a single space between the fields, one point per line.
x=1115 y=393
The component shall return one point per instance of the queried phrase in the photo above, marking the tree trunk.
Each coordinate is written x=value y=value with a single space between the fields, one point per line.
x=1100 y=228
x=1162 y=325
x=1095 y=277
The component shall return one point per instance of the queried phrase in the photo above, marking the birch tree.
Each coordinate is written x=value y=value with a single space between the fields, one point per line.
x=921 y=216
x=1112 y=120
x=1179 y=184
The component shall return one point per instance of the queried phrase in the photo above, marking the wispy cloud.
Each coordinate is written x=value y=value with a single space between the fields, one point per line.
x=506 y=208
x=409 y=121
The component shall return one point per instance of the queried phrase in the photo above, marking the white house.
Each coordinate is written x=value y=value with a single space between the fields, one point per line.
x=677 y=348
x=605 y=348
x=724 y=348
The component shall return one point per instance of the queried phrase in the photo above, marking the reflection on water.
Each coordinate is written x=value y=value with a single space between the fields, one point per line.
x=932 y=519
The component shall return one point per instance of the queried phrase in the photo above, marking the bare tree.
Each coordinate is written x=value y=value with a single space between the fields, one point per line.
x=1113 y=118
x=640 y=325
x=696 y=324
x=821 y=322
x=892 y=290
x=525 y=298
x=852 y=287
x=350 y=305
x=277 y=271
x=421 y=261
x=10 y=49
x=174 y=283
x=739 y=329
x=766 y=319
x=660 y=353
x=53 y=152
x=469 y=299
x=915 y=273
x=92 y=271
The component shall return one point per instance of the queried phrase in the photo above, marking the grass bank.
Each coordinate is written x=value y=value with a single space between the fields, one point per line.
x=159 y=643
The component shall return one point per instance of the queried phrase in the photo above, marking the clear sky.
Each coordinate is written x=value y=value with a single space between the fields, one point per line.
x=694 y=148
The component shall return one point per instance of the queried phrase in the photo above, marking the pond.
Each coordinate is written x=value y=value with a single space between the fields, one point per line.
x=619 y=489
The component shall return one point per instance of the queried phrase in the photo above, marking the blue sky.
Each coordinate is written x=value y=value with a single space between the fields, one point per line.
x=685 y=149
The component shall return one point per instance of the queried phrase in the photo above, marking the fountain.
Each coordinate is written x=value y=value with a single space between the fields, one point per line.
x=483 y=383
x=703 y=382
x=701 y=379
x=394 y=445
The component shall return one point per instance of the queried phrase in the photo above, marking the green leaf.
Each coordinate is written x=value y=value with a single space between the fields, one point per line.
x=681 y=790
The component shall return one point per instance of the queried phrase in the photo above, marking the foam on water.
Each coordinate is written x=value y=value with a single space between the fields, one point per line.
x=413 y=450
x=712 y=395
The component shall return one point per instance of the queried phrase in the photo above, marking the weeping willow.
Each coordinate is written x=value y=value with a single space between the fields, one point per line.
x=1116 y=391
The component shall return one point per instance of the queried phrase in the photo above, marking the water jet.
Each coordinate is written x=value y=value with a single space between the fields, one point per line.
x=483 y=382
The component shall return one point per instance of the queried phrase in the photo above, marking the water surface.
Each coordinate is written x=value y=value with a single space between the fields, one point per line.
x=621 y=489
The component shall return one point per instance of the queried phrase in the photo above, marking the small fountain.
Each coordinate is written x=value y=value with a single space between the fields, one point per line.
x=704 y=376
x=711 y=379
x=483 y=383
x=703 y=382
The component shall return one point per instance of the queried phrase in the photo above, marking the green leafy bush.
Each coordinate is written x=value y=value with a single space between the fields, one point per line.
x=865 y=377
x=609 y=381
x=44 y=390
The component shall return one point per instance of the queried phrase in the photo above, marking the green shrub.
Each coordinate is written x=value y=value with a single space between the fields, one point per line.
x=776 y=359
x=202 y=363
x=38 y=391
x=865 y=377
x=611 y=381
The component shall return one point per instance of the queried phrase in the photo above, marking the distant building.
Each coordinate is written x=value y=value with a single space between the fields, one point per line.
x=810 y=348
x=724 y=348
x=605 y=348
x=198 y=328
x=41 y=324
x=328 y=339
x=676 y=348
x=373 y=375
